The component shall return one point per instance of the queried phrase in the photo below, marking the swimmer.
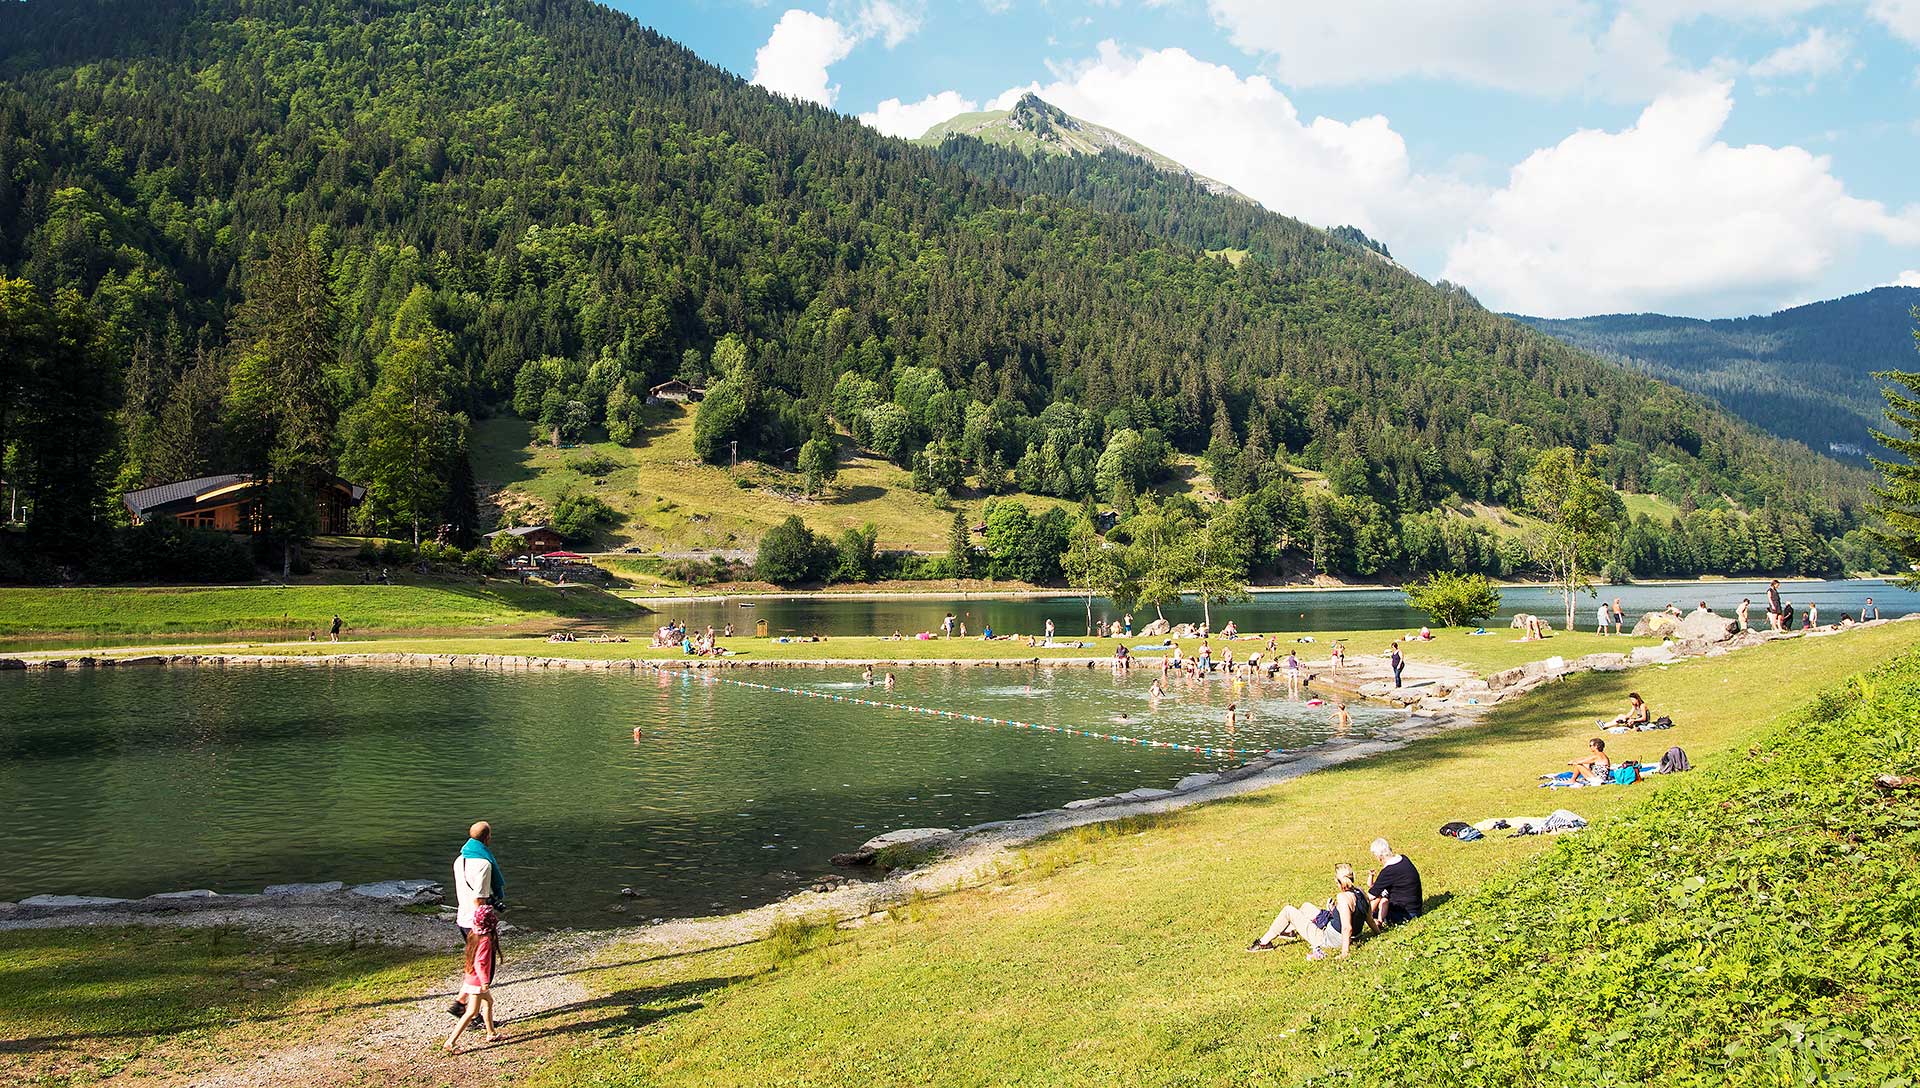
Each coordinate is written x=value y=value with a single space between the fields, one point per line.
x=637 y=734
x=1233 y=716
x=867 y=675
x=1156 y=691
x=1342 y=721
x=890 y=681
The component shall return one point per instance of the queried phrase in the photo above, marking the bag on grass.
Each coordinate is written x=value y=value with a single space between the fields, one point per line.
x=1626 y=774
x=1452 y=828
x=1468 y=834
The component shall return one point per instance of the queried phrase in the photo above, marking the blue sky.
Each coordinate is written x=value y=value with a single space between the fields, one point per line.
x=1558 y=157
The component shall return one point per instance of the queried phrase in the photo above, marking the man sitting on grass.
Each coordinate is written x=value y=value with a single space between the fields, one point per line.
x=1394 y=894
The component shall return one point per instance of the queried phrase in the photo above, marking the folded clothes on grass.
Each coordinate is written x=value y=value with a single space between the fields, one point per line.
x=1560 y=820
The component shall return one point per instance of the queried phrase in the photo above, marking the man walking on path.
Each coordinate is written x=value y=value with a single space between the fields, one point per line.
x=479 y=888
x=335 y=629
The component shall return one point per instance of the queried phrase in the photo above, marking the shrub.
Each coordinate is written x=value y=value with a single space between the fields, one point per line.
x=579 y=516
x=790 y=554
x=1453 y=599
x=163 y=550
x=592 y=463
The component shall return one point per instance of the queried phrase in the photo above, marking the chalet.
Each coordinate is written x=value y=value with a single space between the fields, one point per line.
x=230 y=503
x=529 y=538
x=677 y=391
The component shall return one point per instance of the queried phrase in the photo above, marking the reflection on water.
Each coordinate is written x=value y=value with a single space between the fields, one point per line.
x=128 y=783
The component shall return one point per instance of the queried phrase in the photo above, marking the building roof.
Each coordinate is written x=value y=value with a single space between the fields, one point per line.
x=183 y=494
x=520 y=530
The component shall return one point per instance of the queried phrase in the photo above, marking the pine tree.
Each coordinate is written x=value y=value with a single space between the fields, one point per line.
x=960 y=545
x=1899 y=491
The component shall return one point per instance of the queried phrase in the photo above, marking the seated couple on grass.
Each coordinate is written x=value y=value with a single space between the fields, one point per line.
x=1389 y=898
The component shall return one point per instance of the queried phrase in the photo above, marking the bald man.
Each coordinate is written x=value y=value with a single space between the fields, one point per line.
x=476 y=879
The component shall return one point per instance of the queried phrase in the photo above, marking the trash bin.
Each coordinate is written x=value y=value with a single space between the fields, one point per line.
x=759 y=628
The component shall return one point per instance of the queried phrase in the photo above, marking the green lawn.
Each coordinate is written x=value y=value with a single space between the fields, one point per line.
x=48 y=616
x=82 y=1005
x=1115 y=956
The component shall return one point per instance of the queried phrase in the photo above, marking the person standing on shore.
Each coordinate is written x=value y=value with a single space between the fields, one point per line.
x=480 y=890
x=334 y=629
x=1126 y=622
x=1619 y=617
x=1049 y=630
x=1775 y=610
x=1396 y=661
x=1602 y=619
x=946 y=626
x=1741 y=613
x=1868 y=611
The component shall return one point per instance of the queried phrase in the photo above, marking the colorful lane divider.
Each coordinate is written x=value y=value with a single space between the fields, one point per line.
x=984 y=719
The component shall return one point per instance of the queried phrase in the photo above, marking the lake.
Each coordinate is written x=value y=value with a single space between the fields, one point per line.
x=138 y=781
x=1268 y=612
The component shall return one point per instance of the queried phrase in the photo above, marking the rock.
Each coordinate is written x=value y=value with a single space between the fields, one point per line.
x=1088 y=802
x=857 y=857
x=70 y=901
x=1145 y=793
x=1156 y=629
x=197 y=893
x=1652 y=655
x=629 y=893
x=321 y=888
x=903 y=837
x=12 y=663
x=403 y=892
x=1656 y=625
x=1705 y=627
x=1195 y=781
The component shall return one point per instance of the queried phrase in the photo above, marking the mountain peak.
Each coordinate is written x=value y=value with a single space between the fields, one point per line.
x=1036 y=126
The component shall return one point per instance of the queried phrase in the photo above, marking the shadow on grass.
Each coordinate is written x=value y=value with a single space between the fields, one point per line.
x=847 y=496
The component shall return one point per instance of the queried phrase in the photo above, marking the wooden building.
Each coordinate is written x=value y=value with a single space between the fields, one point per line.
x=529 y=539
x=677 y=391
x=230 y=502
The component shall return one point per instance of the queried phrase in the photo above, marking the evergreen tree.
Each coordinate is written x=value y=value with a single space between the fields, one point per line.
x=402 y=442
x=59 y=389
x=960 y=545
x=1899 y=490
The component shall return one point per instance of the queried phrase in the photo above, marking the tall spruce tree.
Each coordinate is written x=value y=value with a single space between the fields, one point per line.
x=59 y=389
x=1899 y=491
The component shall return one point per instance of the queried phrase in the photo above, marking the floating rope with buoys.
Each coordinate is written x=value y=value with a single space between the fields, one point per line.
x=984 y=719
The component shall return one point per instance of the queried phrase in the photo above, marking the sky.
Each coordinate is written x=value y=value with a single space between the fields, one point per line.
x=1560 y=158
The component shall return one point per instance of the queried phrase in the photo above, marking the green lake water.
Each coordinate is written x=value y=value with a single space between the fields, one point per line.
x=141 y=781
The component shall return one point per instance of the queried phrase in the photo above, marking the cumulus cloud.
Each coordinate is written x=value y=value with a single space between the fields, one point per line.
x=1909 y=278
x=804 y=45
x=1665 y=214
x=1818 y=54
x=912 y=119
x=795 y=59
x=1245 y=132
x=1544 y=47
x=1900 y=16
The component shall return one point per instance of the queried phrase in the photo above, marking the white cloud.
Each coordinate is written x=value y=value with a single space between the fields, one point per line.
x=887 y=21
x=912 y=119
x=1909 y=278
x=1665 y=214
x=795 y=59
x=1246 y=133
x=1818 y=54
x=1900 y=16
x=1544 y=47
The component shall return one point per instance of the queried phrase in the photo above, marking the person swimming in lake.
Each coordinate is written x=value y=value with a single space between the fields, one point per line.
x=867 y=675
x=889 y=682
x=1342 y=719
x=1156 y=691
x=1233 y=716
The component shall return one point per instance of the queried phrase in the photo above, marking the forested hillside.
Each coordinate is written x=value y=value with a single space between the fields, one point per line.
x=327 y=235
x=1804 y=373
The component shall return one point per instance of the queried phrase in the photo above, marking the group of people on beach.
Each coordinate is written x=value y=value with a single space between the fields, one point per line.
x=1780 y=614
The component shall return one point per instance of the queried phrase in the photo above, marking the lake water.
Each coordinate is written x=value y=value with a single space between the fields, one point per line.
x=1328 y=610
x=140 y=781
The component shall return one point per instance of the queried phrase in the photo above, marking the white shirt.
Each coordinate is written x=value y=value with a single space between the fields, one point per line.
x=472 y=880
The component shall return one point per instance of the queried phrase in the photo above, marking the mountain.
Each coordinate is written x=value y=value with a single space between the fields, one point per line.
x=1805 y=373
x=1034 y=125
x=541 y=208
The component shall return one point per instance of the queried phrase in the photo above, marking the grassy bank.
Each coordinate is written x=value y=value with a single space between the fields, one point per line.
x=1115 y=955
x=1481 y=654
x=32 y=615
x=78 y=1006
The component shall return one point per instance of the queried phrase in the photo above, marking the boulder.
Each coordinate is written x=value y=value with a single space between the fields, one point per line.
x=403 y=892
x=1156 y=629
x=197 y=893
x=1195 y=781
x=1146 y=793
x=1656 y=625
x=903 y=837
x=1705 y=627
x=321 y=888
x=857 y=857
x=1652 y=655
x=70 y=901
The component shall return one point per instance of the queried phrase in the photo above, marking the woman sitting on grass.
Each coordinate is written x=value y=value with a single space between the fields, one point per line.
x=1594 y=769
x=1324 y=930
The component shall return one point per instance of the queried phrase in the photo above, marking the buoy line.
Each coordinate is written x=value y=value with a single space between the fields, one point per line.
x=985 y=719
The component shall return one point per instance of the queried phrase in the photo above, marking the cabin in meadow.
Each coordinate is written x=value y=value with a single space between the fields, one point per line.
x=529 y=539
x=230 y=502
x=677 y=391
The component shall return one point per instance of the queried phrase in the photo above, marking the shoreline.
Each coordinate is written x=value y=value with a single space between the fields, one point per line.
x=1439 y=699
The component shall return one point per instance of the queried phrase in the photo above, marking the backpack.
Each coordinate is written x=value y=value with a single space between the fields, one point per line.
x=1626 y=774
x=1662 y=722
x=1675 y=760
x=1468 y=834
x=1452 y=828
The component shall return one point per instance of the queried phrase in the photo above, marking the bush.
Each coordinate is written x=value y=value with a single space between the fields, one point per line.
x=579 y=516
x=163 y=550
x=592 y=463
x=1454 y=599
x=791 y=554
x=481 y=561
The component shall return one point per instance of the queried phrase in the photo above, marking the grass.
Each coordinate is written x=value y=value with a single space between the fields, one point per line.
x=1115 y=957
x=30 y=616
x=669 y=500
x=1753 y=924
x=1480 y=654
x=80 y=1005
x=1657 y=508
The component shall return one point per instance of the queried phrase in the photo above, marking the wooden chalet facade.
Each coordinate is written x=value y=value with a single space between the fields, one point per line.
x=530 y=539
x=677 y=391
x=230 y=503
